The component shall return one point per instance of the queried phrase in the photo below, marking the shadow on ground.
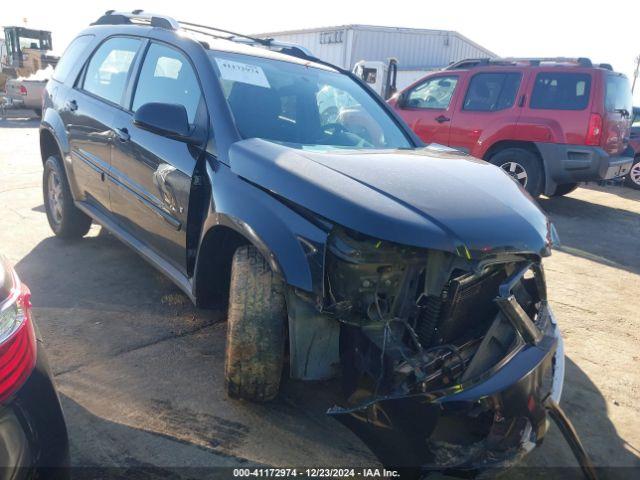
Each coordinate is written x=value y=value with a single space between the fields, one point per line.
x=598 y=232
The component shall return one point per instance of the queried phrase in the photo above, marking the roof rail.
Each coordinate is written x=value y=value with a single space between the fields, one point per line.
x=533 y=61
x=111 y=17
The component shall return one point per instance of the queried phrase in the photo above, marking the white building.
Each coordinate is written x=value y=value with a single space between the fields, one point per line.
x=415 y=49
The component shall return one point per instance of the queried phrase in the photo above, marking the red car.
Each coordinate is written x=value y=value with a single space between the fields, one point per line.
x=550 y=123
x=633 y=178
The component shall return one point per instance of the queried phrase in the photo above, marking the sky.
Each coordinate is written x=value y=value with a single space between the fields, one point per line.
x=602 y=31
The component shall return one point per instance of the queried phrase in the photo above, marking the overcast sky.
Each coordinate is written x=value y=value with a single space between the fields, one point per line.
x=570 y=28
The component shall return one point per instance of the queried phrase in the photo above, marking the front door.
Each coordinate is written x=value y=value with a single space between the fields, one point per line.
x=152 y=173
x=426 y=108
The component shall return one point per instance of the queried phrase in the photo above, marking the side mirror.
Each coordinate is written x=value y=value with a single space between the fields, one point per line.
x=166 y=119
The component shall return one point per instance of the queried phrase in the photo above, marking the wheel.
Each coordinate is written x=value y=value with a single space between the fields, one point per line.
x=65 y=219
x=524 y=166
x=564 y=189
x=38 y=112
x=633 y=177
x=256 y=328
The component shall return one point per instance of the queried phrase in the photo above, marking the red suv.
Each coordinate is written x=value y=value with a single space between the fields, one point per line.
x=550 y=123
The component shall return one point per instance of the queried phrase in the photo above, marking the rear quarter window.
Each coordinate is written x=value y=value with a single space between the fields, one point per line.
x=618 y=94
x=561 y=91
x=71 y=57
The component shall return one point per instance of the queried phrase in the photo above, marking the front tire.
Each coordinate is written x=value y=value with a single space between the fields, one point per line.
x=523 y=166
x=65 y=219
x=633 y=177
x=256 y=328
x=564 y=189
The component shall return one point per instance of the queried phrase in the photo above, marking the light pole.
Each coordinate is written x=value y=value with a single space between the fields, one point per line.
x=635 y=74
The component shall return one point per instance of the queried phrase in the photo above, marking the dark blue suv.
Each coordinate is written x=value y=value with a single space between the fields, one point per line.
x=247 y=170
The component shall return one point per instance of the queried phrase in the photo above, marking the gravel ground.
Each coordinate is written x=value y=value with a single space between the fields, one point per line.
x=140 y=370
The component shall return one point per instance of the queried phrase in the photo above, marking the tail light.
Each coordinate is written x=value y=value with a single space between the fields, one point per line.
x=23 y=90
x=594 y=132
x=17 y=341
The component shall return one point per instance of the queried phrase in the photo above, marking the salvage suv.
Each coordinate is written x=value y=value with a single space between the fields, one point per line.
x=550 y=123
x=344 y=246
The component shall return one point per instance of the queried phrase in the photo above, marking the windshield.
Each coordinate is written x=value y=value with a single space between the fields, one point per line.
x=303 y=106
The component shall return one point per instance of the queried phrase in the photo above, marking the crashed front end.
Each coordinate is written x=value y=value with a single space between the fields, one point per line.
x=445 y=360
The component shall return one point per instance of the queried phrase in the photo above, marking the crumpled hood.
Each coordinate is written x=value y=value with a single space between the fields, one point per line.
x=428 y=197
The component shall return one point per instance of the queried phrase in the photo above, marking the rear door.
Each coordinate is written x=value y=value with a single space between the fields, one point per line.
x=618 y=108
x=152 y=173
x=88 y=115
x=488 y=110
x=427 y=107
x=559 y=106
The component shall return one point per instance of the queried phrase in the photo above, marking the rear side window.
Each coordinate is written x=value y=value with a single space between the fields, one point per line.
x=434 y=93
x=167 y=77
x=618 y=94
x=108 y=70
x=71 y=57
x=490 y=92
x=561 y=91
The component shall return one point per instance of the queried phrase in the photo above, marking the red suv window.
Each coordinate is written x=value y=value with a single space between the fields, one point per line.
x=561 y=91
x=490 y=92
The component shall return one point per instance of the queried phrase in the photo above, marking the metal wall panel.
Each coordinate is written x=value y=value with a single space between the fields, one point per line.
x=414 y=48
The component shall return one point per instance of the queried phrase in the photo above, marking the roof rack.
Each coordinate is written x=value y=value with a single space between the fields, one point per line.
x=534 y=62
x=111 y=17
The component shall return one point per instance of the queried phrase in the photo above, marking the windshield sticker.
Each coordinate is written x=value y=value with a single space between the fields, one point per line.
x=242 y=72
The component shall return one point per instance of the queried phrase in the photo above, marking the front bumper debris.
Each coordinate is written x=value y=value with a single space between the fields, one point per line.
x=488 y=423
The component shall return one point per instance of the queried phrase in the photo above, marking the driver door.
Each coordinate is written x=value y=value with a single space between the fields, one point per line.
x=428 y=108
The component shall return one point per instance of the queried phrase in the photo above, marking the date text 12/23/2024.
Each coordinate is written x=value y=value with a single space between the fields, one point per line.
x=315 y=473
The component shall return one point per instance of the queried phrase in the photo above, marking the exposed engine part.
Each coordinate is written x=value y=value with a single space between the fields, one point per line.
x=415 y=320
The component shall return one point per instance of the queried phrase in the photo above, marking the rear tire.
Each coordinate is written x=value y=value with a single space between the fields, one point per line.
x=633 y=177
x=65 y=219
x=256 y=328
x=524 y=166
x=564 y=189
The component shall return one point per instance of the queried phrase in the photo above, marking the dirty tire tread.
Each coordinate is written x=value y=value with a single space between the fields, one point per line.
x=75 y=223
x=256 y=328
x=564 y=189
x=531 y=163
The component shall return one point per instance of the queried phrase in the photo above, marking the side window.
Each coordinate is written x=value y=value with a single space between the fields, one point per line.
x=561 y=91
x=434 y=93
x=71 y=56
x=167 y=77
x=490 y=92
x=108 y=70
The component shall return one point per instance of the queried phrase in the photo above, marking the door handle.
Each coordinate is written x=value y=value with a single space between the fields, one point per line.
x=122 y=134
x=442 y=119
x=72 y=105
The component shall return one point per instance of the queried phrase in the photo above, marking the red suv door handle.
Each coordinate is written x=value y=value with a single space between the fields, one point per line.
x=442 y=119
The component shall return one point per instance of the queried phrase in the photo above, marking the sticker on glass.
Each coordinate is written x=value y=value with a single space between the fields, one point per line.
x=242 y=72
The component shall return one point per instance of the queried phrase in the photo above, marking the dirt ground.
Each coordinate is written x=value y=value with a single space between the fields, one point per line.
x=139 y=370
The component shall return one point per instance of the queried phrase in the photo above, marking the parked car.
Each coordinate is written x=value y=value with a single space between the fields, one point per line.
x=550 y=123
x=33 y=435
x=22 y=93
x=633 y=178
x=413 y=272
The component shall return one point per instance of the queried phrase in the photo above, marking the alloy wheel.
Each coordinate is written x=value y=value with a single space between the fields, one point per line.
x=516 y=171
x=634 y=173
x=54 y=193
